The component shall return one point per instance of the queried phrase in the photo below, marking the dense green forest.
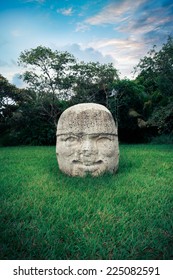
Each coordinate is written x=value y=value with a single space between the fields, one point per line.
x=142 y=107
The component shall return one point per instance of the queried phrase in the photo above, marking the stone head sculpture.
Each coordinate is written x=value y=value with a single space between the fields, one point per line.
x=87 y=141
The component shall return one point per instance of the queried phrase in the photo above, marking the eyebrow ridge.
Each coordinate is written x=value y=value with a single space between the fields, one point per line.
x=81 y=134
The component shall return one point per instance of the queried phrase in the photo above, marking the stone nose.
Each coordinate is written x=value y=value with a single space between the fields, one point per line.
x=88 y=147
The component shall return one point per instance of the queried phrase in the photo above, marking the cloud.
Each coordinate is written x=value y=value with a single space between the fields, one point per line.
x=16 y=33
x=148 y=18
x=138 y=25
x=87 y=54
x=112 y=14
x=17 y=81
x=115 y=12
x=37 y=1
x=140 y=19
x=82 y=27
x=65 y=12
x=125 y=52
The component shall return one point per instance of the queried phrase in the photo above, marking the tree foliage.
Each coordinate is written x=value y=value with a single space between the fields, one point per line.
x=58 y=76
x=23 y=118
x=155 y=73
x=56 y=80
x=93 y=82
x=48 y=71
x=155 y=70
x=127 y=106
x=49 y=75
x=10 y=100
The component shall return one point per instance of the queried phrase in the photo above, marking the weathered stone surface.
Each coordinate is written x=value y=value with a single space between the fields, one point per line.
x=87 y=141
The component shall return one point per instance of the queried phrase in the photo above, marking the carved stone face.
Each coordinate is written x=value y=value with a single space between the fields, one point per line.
x=87 y=141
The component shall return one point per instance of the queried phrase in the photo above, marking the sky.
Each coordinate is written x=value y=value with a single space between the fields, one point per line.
x=108 y=31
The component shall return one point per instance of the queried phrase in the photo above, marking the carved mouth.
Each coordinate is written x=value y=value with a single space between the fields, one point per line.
x=87 y=163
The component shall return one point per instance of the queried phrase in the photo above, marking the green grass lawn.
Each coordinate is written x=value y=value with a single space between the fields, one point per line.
x=45 y=214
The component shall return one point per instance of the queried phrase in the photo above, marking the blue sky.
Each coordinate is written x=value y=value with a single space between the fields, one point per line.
x=117 y=31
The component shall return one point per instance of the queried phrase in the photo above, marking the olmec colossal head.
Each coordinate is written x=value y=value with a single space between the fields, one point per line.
x=87 y=141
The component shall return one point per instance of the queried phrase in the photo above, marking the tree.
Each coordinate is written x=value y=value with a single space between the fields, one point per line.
x=93 y=82
x=162 y=118
x=155 y=73
x=49 y=74
x=22 y=117
x=126 y=105
x=57 y=81
x=57 y=76
x=10 y=98
x=29 y=125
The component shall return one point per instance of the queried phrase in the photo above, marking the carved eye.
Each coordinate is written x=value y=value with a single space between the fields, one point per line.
x=104 y=139
x=71 y=139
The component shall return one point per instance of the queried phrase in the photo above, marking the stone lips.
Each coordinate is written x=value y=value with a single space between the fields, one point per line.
x=87 y=141
x=77 y=119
